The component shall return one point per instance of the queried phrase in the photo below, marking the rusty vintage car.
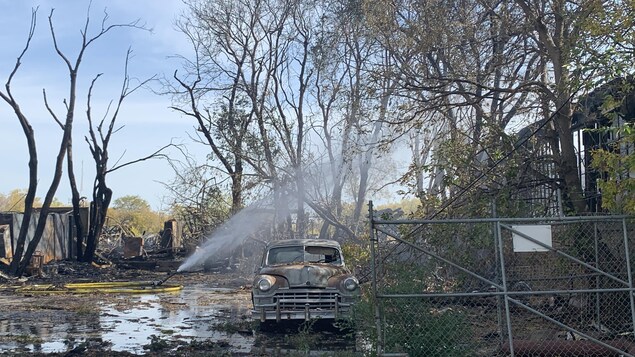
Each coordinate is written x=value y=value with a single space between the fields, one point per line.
x=301 y=280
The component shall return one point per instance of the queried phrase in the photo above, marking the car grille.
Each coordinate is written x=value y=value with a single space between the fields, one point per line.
x=297 y=300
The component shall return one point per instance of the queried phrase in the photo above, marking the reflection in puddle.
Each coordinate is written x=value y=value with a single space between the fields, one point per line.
x=129 y=330
x=129 y=324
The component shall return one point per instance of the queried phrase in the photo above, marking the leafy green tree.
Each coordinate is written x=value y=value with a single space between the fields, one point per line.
x=131 y=203
x=14 y=201
x=135 y=214
x=616 y=166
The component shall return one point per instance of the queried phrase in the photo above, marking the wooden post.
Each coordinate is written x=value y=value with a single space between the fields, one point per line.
x=171 y=237
x=132 y=247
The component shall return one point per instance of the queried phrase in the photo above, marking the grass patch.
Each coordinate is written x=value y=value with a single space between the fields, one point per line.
x=85 y=309
x=231 y=327
x=28 y=339
x=157 y=344
x=305 y=338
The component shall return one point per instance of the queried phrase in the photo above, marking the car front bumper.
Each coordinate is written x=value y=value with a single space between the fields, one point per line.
x=301 y=305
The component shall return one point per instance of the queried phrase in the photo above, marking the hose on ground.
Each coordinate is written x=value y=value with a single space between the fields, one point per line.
x=122 y=287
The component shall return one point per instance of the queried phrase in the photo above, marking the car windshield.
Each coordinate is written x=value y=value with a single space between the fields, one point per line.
x=303 y=254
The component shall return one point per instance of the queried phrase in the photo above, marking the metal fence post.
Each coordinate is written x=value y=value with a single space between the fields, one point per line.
x=508 y=318
x=629 y=271
x=373 y=239
x=499 y=311
x=598 y=316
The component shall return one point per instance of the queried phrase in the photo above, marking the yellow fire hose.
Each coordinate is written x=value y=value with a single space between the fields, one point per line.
x=122 y=287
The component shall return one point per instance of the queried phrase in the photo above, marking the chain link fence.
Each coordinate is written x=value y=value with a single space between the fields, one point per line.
x=503 y=287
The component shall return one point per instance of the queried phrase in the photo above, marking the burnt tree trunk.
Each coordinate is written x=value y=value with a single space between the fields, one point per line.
x=98 y=212
x=75 y=199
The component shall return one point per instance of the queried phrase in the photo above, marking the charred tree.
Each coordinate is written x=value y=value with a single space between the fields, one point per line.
x=98 y=141
x=22 y=256
x=29 y=135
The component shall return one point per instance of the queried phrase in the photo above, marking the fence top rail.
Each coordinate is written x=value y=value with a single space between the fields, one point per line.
x=505 y=219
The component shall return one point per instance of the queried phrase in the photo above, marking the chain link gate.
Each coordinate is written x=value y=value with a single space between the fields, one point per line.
x=503 y=287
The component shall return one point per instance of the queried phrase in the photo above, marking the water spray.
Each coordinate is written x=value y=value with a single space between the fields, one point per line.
x=235 y=231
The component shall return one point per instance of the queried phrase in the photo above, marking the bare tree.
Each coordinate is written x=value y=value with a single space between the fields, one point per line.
x=353 y=94
x=222 y=89
x=98 y=141
x=73 y=68
x=21 y=257
x=29 y=135
x=341 y=62
x=291 y=81
x=261 y=70
x=198 y=198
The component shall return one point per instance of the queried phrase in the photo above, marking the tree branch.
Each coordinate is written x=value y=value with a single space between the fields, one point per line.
x=154 y=155
x=46 y=104
x=8 y=96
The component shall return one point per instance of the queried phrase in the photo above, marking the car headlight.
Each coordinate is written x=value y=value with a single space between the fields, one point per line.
x=350 y=284
x=264 y=284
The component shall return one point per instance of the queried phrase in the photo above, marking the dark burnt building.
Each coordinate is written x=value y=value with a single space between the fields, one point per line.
x=595 y=125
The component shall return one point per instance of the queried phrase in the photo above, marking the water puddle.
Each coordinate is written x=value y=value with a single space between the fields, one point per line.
x=128 y=322
x=198 y=313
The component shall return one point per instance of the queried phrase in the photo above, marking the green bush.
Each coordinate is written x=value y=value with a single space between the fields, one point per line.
x=413 y=326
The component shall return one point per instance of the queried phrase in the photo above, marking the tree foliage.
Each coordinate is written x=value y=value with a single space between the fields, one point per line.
x=614 y=160
x=135 y=214
x=618 y=186
x=14 y=201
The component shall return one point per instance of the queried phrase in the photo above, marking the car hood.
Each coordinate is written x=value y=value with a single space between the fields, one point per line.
x=306 y=275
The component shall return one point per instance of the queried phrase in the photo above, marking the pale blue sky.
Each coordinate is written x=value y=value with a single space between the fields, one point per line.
x=149 y=123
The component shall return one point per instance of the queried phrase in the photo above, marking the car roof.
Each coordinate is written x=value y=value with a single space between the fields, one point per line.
x=303 y=242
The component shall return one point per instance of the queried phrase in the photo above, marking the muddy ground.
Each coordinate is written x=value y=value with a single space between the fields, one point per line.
x=210 y=316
